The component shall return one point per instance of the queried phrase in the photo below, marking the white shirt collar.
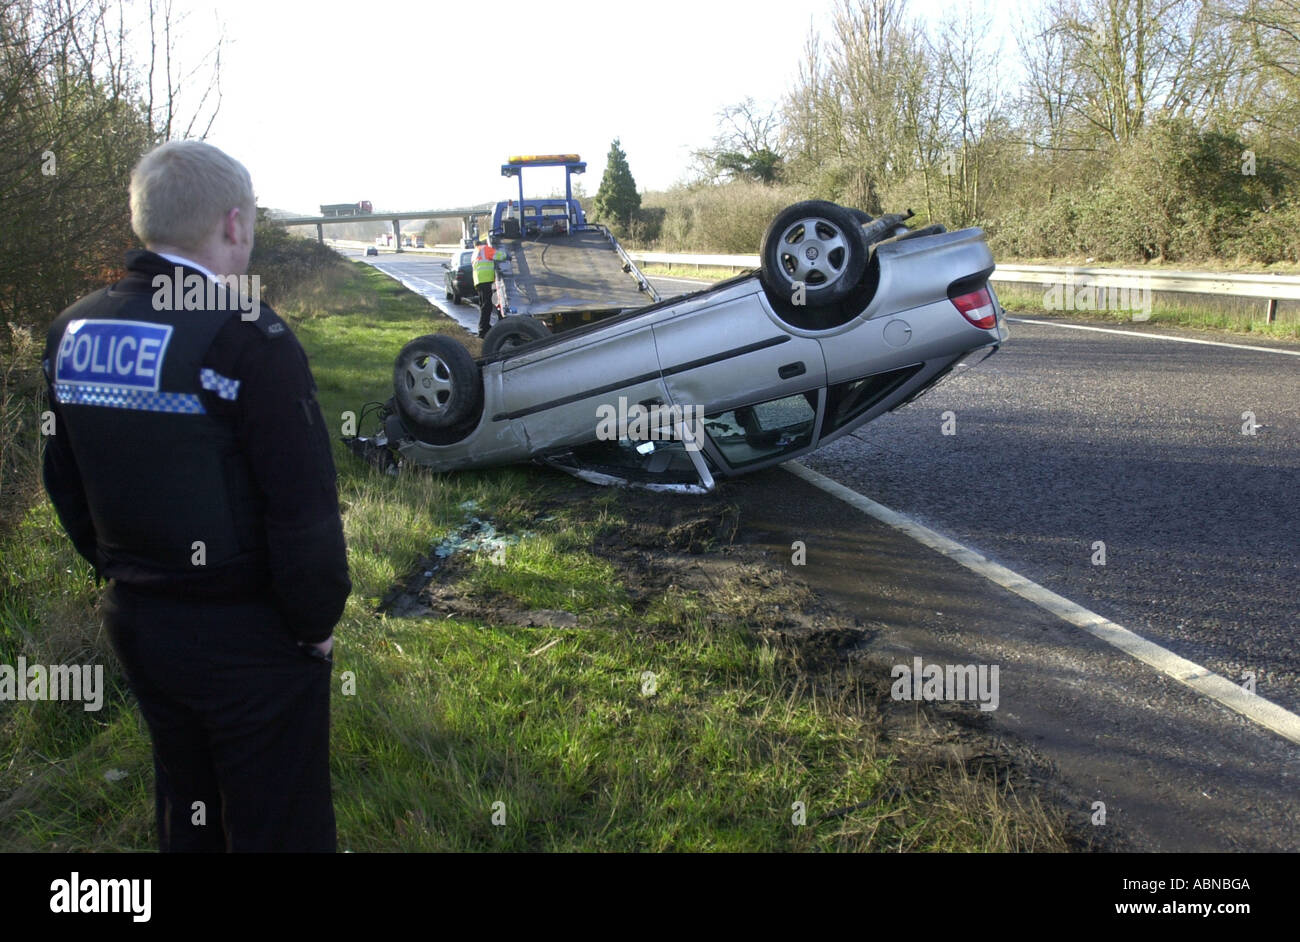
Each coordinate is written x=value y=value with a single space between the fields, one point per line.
x=182 y=260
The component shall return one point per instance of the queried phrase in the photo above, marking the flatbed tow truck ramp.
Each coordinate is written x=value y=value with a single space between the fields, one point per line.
x=581 y=271
x=559 y=268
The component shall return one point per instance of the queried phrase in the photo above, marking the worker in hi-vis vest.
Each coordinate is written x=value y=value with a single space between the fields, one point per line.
x=485 y=275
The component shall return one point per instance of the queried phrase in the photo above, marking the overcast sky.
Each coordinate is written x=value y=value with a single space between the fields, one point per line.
x=405 y=104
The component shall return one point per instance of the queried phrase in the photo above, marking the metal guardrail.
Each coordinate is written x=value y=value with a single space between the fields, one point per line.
x=1280 y=287
x=1270 y=288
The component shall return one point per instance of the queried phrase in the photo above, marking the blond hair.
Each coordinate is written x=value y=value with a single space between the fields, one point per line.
x=181 y=190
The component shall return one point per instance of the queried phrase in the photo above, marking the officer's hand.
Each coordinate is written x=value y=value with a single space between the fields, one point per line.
x=326 y=646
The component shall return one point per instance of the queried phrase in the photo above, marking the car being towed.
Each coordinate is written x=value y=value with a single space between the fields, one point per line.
x=458 y=273
x=847 y=318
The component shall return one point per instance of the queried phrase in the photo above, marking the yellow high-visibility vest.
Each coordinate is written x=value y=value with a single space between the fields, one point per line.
x=485 y=267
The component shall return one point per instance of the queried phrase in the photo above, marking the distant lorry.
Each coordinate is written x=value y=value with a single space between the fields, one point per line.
x=362 y=208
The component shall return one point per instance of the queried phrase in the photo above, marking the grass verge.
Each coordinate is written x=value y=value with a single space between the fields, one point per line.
x=1232 y=316
x=693 y=272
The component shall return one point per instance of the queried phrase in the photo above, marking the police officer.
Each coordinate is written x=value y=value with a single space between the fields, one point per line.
x=191 y=466
x=485 y=274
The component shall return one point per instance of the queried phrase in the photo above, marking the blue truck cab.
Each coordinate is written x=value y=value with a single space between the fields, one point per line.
x=528 y=218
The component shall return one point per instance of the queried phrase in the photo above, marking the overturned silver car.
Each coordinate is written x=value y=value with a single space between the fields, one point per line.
x=847 y=318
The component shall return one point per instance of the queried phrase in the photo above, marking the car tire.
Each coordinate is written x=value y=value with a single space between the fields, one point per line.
x=816 y=244
x=436 y=383
x=859 y=215
x=514 y=331
x=447 y=294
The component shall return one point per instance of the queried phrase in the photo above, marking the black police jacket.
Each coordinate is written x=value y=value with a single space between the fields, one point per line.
x=189 y=456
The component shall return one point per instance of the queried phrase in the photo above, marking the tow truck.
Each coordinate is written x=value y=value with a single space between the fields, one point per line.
x=559 y=271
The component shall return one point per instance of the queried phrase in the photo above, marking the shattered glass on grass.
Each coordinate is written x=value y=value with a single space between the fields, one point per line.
x=477 y=535
x=473 y=536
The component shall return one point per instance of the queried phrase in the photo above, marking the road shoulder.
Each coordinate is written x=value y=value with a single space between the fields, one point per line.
x=1175 y=771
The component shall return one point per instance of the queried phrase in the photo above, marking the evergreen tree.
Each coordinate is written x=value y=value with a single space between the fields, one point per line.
x=617 y=198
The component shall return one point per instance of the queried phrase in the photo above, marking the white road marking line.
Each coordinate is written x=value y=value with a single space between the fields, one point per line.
x=1252 y=706
x=1139 y=333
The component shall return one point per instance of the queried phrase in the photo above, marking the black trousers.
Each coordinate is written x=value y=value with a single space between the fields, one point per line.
x=484 y=307
x=239 y=718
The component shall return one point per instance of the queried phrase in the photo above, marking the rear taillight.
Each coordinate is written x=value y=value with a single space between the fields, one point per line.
x=978 y=308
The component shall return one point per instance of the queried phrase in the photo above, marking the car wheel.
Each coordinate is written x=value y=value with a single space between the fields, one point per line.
x=436 y=382
x=447 y=294
x=861 y=217
x=813 y=251
x=513 y=331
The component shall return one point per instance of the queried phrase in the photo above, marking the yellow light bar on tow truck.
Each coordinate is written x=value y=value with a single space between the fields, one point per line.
x=543 y=158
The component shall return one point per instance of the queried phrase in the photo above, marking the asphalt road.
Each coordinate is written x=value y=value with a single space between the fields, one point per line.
x=1067 y=438
x=423 y=274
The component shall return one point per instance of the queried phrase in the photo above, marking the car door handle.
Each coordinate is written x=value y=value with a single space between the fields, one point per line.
x=791 y=370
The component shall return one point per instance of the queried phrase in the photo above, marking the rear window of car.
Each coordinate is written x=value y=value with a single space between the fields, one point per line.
x=465 y=258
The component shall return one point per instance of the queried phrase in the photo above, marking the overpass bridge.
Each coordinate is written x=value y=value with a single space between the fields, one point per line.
x=467 y=215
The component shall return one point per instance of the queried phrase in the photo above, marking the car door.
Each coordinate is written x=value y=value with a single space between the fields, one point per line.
x=566 y=394
x=467 y=270
x=732 y=352
x=757 y=385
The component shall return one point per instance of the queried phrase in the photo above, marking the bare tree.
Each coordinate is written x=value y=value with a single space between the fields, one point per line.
x=843 y=118
x=175 y=78
x=801 y=118
x=1101 y=68
x=1270 y=30
x=72 y=125
x=970 y=104
x=746 y=147
x=1047 y=50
